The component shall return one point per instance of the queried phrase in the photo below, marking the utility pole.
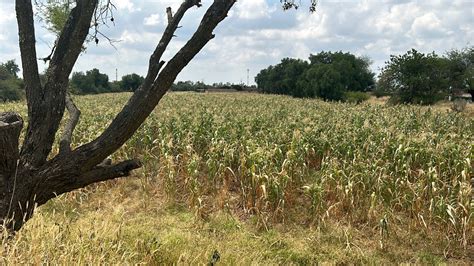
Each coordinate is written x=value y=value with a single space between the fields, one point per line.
x=248 y=73
x=116 y=75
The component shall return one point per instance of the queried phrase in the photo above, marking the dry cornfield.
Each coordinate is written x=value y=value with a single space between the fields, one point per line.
x=276 y=160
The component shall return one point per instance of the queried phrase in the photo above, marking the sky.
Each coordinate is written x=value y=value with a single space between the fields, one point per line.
x=258 y=33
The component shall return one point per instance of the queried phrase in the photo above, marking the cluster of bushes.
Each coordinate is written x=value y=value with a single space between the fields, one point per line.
x=413 y=77
x=11 y=87
x=189 y=86
x=90 y=82
x=93 y=82
x=420 y=78
x=201 y=86
x=330 y=76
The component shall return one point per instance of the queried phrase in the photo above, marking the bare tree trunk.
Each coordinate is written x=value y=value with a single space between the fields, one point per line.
x=27 y=178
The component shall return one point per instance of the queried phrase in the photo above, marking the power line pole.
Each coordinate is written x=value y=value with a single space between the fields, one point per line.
x=116 y=74
x=248 y=73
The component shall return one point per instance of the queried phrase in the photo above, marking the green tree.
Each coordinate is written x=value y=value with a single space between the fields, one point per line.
x=414 y=77
x=54 y=13
x=11 y=67
x=189 y=86
x=10 y=90
x=91 y=82
x=354 y=72
x=131 y=82
x=460 y=70
x=323 y=81
x=282 y=78
x=299 y=78
x=10 y=85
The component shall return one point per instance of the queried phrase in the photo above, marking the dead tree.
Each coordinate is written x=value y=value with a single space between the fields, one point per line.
x=30 y=175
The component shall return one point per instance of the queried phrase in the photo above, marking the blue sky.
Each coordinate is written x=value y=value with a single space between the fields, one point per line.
x=258 y=33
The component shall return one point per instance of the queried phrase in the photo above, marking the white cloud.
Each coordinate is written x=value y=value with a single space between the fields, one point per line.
x=258 y=33
x=252 y=9
x=427 y=26
x=126 y=4
x=152 y=20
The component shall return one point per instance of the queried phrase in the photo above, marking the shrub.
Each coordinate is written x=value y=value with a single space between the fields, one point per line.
x=356 y=97
x=131 y=82
x=414 y=78
x=10 y=90
x=380 y=93
x=327 y=75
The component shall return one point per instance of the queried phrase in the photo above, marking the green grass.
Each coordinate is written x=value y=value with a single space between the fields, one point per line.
x=267 y=180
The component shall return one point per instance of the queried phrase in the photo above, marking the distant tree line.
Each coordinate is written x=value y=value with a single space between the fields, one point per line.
x=93 y=82
x=200 y=86
x=413 y=77
x=189 y=86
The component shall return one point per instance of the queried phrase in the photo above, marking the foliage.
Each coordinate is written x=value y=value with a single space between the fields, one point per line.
x=54 y=13
x=188 y=86
x=131 y=82
x=356 y=97
x=322 y=81
x=289 y=4
x=237 y=87
x=355 y=73
x=414 y=77
x=380 y=93
x=328 y=76
x=10 y=90
x=461 y=70
x=91 y=82
x=282 y=78
x=115 y=86
x=11 y=67
x=10 y=85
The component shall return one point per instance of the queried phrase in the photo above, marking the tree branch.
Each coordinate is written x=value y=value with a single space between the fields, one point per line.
x=144 y=100
x=169 y=13
x=107 y=172
x=48 y=58
x=155 y=62
x=66 y=180
x=74 y=114
x=47 y=109
x=26 y=34
x=72 y=38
